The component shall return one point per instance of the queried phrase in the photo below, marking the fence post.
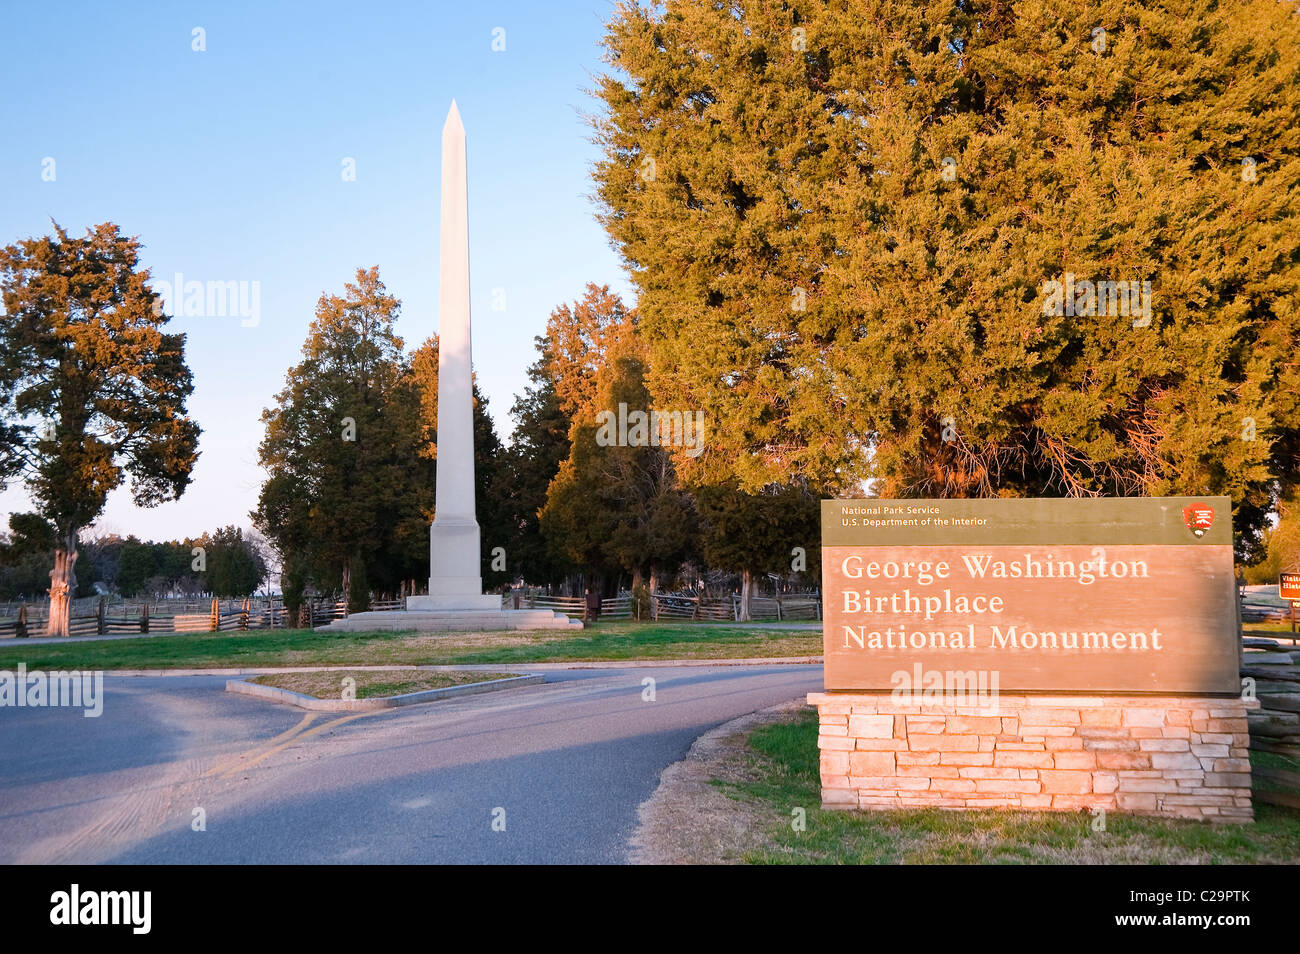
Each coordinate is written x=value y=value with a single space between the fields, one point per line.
x=778 y=607
x=818 y=600
x=214 y=617
x=243 y=617
x=101 y=625
x=20 y=628
x=144 y=618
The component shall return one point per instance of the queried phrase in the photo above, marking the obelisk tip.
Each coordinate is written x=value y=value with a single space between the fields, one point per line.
x=453 y=120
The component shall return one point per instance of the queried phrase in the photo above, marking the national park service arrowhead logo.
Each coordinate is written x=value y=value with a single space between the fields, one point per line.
x=1199 y=517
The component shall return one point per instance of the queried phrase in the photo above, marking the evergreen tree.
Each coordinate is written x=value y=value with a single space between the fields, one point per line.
x=234 y=568
x=539 y=444
x=136 y=566
x=91 y=388
x=611 y=507
x=1280 y=546
x=25 y=556
x=755 y=534
x=342 y=448
x=843 y=222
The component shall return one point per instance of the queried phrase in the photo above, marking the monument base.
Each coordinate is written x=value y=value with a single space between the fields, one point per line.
x=422 y=618
x=1169 y=756
x=484 y=602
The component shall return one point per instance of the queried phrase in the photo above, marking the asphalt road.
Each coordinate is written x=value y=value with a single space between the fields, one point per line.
x=563 y=766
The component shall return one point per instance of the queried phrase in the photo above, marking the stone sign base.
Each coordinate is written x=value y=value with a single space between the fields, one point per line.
x=1170 y=756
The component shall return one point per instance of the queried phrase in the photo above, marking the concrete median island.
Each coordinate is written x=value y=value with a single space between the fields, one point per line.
x=357 y=690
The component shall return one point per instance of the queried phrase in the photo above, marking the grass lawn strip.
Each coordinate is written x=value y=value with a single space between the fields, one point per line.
x=370 y=684
x=603 y=642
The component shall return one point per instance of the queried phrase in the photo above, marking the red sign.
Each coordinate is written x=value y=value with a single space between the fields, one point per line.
x=1288 y=586
x=1199 y=517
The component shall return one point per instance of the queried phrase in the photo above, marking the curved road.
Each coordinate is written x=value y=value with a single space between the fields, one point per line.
x=564 y=765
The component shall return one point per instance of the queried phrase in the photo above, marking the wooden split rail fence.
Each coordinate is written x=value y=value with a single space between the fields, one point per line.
x=152 y=618
x=1273 y=671
x=679 y=606
x=240 y=615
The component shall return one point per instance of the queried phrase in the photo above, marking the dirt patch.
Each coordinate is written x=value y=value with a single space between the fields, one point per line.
x=369 y=684
x=688 y=819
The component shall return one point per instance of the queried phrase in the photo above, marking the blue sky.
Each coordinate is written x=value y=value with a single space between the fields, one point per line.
x=228 y=165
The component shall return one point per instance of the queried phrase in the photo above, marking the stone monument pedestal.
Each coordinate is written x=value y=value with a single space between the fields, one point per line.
x=465 y=602
x=443 y=620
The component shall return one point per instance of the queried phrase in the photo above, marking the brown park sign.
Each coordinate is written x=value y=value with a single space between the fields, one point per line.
x=1288 y=586
x=1131 y=594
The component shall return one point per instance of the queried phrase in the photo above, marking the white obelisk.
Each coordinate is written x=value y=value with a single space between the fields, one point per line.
x=454 y=580
x=456 y=600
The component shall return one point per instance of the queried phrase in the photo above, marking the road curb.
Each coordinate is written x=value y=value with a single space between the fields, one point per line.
x=288 y=697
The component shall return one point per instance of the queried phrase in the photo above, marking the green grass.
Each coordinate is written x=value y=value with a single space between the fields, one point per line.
x=784 y=775
x=605 y=641
x=1270 y=630
x=1272 y=760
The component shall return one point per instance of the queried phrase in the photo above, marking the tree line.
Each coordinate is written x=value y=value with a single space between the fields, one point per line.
x=351 y=445
x=841 y=224
x=225 y=563
x=844 y=223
